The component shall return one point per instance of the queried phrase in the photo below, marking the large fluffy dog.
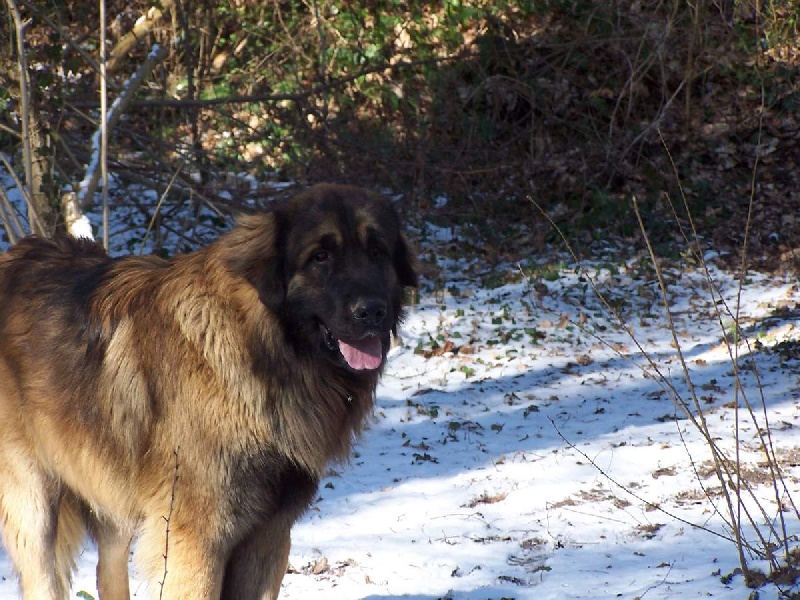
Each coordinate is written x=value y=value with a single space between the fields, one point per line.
x=190 y=404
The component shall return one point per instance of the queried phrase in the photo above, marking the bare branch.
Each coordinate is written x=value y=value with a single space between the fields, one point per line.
x=267 y=97
x=36 y=223
x=88 y=186
x=8 y=216
x=158 y=208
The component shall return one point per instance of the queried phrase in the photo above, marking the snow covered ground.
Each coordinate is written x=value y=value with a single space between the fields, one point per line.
x=523 y=447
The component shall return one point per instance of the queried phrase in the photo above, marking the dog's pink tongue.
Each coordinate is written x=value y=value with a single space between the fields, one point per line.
x=366 y=354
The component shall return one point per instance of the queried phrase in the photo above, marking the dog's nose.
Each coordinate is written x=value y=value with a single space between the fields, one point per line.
x=369 y=311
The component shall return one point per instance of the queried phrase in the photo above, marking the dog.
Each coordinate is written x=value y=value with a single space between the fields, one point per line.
x=187 y=408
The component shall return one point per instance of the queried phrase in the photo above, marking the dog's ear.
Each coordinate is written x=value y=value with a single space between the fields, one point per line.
x=405 y=263
x=253 y=250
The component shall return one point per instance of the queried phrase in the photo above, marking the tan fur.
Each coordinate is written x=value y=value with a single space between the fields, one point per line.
x=190 y=404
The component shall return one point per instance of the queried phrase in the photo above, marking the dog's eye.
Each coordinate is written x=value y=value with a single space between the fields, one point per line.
x=322 y=256
x=378 y=251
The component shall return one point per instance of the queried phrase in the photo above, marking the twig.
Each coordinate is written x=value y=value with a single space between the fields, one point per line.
x=34 y=224
x=158 y=208
x=630 y=492
x=764 y=434
x=719 y=461
x=659 y=584
x=8 y=215
x=297 y=96
x=323 y=59
x=656 y=374
x=650 y=371
x=766 y=444
x=168 y=520
x=104 y=121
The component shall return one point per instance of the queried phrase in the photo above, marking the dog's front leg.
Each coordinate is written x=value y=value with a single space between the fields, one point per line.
x=258 y=563
x=181 y=562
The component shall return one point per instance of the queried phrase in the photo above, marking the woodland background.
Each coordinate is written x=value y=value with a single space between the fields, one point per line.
x=484 y=114
x=504 y=128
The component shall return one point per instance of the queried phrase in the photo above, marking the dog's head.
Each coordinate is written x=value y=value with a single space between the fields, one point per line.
x=332 y=265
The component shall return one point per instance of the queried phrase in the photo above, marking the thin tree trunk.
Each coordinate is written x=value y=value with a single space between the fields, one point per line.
x=37 y=150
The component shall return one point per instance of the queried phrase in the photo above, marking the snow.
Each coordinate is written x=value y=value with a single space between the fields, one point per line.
x=524 y=446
